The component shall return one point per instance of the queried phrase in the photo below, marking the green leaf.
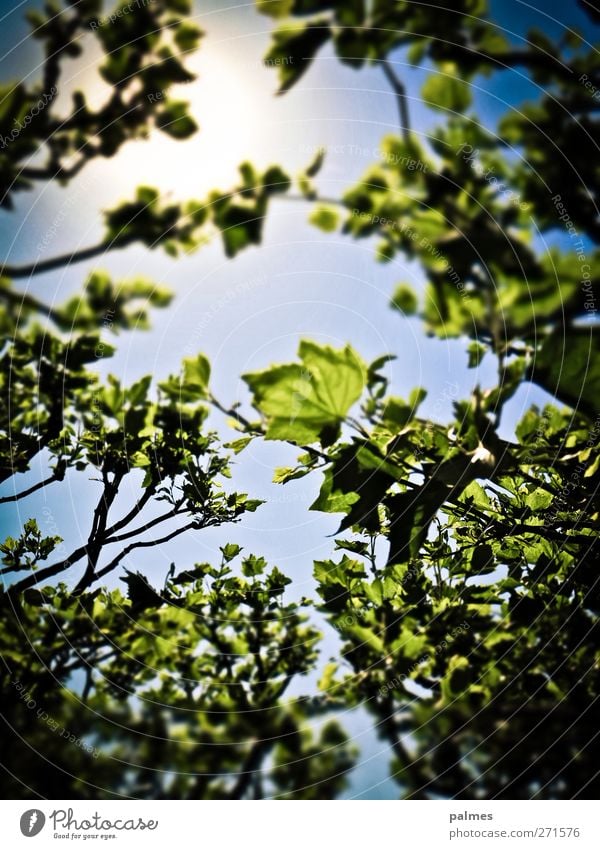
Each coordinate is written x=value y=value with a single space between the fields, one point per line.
x=230 y=551
x=355 y=484
x=196 y=374
x=333 y=500
x=138 y=392
x=367 y=637
x=187 y=36
x=476 y=494
x=139 y=460
x=446 y=91
x=184 y=7
x=317 y=163
x=283 y=474
x=476 y=352
x=327 y=678
x=404 y=300
x=539 y=499
x=294 y=47
x=275 y=181
x=416 y=397
x=355 y=546
x=174 y=120
x=307 y=402
x=457 y=678
x=417 y=51
x=397 y=413
x=140 y=592
x=374 y=591
x=326 y=218
x=253 y=566
x=275 y=8
x=238 y=445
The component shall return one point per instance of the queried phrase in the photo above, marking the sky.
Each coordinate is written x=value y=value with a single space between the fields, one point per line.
x=251 y=311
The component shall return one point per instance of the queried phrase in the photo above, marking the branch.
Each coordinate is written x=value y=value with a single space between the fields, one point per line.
x=232 y=413
x=48 y=572
x=317 y=199
x=54 y=172
x=400 y=92
x=249 y=427
x=20 y=299
x=18 y=271
x=251 y=764
x=547 y=531
x=30 y=491
x=115 y=562
x=141 y=530
x=411 y=768
x=135 y=510
x=274 y=697
x=92 y=660
x=52 y=61
x=89 y=681
x=97 y=535
x=78 y=554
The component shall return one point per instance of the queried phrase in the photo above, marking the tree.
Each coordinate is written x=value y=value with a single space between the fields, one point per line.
x=475 y=638
x=190 y=678
x=183 y=686
x=465 y=592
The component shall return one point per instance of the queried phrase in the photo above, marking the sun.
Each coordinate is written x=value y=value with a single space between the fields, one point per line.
x=228 y=101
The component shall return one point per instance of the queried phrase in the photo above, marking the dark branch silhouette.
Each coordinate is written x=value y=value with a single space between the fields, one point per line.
x=400 y=92
x=148 y=544
x=36 y=486
x=41 y=267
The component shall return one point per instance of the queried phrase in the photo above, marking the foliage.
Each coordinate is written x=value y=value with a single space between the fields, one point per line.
x=207 y=646
x=474 y=640
x=143 y=55
x=151 y=444
x=463 y=585
x=307 y=402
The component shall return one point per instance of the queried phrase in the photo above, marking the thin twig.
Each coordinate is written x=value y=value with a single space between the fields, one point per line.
x=22 y=300
x=400 y=92
x=58 y=172
x=135 y=510
x=247 y=425
x=143 y=528
x=18 y=271
x=232 y=413
x=318 y=199
x=149 y=544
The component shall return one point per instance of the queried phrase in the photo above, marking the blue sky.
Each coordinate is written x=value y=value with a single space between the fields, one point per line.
x=251 y=311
